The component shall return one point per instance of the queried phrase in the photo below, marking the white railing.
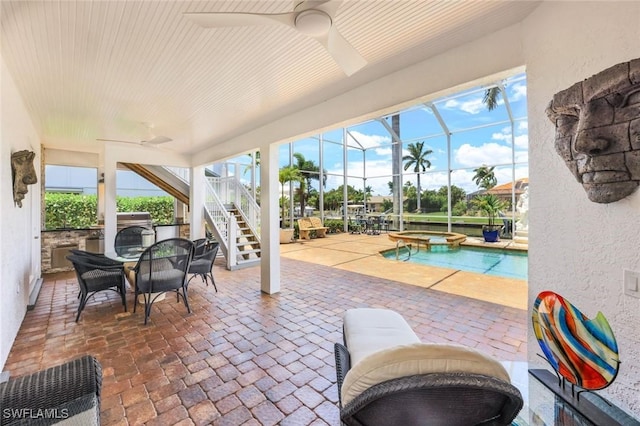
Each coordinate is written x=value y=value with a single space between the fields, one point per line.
x=221 y=193
x=180 y=172
x=219 y=216
x=231 y=192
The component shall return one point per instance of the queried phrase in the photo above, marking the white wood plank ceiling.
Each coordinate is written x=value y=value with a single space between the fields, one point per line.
x=102 y=69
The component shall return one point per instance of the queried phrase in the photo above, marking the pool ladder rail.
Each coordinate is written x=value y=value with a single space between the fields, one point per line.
x=401 y=244
x=426 y=243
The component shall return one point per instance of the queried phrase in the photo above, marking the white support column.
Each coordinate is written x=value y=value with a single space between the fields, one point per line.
x=196 y=202
x=269 y=222
x=110 y=208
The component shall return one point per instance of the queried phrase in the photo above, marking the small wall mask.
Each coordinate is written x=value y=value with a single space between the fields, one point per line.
x=598 y=131
x=23 y=173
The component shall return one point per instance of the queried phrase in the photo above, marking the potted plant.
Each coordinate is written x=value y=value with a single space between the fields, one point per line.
x=490 y=205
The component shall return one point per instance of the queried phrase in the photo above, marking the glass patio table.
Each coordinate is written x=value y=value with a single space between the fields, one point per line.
x=130 y=256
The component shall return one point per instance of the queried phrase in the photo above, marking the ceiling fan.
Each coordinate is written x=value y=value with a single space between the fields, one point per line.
x=154 y=140
x=313 y=18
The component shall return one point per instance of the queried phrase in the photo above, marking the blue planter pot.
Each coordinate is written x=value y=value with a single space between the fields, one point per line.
x=491 y=236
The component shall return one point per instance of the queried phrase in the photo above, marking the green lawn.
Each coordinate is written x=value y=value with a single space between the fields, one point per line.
x=442 y=218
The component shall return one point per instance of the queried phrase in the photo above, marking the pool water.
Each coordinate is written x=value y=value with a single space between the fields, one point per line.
x=502 y=263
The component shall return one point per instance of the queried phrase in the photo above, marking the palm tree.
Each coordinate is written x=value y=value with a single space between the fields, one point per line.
x=491 y=97
x=288 y=174
x=417 y=158
x=490 y=205
x=484 y=177
x=309 y=170
x=367 y=193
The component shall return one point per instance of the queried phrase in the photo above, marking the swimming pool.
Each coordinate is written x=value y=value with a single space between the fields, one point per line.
x=502 y=263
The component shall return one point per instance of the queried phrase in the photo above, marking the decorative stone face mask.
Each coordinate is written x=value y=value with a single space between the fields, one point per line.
x=24 y=174
x=598 y=131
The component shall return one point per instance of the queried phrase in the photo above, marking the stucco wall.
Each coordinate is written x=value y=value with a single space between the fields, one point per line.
x=19 y=227
x=576 y=247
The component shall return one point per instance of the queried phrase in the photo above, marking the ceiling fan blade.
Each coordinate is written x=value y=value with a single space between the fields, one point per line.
x=156 y=140
x=233 y=19
x=345 y=55
x=117 y=140
x=330 y=7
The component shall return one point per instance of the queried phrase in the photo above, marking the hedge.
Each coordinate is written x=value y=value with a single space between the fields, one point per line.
x=80 y=211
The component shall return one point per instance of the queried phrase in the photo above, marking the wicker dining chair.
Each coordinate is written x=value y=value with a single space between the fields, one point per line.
x=128 y=237
x=95 y=275
x=202 y=264
x=162 y=268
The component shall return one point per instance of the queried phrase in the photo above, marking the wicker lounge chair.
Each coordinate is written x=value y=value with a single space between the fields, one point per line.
x=385 y=377
x=67 y=393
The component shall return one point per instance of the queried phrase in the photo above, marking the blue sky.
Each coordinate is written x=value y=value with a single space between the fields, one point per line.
x=478 y=137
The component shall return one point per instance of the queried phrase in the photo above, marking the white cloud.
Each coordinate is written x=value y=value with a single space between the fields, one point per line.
x=504 y=135
x=489 y=153
x=520 y=141
x=383 y=151
x=518 y=91
x=474 y=106
x=357 y=139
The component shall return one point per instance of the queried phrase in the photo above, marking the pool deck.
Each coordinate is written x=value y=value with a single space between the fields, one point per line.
x=361 y=253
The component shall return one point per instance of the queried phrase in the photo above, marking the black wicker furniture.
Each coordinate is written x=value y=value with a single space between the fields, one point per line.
x=67 y=393
x=386 y=377
x=129 y=239
x=202 y=263
x=163 y=268
x=97 y=274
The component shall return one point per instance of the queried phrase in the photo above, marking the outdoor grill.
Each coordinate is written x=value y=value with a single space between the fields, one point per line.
x=134 y=219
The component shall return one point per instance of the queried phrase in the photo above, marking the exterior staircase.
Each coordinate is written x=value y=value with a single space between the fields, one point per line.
x=164 y=179
x=247 y=243
x=230 y=211
x=234 y=218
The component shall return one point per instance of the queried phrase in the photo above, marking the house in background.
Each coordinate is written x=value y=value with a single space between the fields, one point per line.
x=504 y=191
x=375 y=203
x=83 y=180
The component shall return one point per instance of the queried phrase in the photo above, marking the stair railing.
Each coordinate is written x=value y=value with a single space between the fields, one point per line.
x=219 y=217
x=233 y=193
x=225 y=225
x=180 y=172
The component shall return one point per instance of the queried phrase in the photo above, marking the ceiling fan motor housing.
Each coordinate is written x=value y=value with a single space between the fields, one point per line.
x=313 y=22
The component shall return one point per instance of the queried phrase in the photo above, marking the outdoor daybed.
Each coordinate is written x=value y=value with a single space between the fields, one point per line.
x=386 y=376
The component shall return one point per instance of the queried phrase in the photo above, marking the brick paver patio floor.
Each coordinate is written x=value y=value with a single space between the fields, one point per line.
x=242 y=357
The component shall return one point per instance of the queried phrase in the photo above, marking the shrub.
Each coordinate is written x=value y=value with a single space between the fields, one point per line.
x=70 y=210
x=335 y=225
x=80 y=211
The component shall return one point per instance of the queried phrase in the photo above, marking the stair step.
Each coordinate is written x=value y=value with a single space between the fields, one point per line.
x=246 y=243
x=251 y=251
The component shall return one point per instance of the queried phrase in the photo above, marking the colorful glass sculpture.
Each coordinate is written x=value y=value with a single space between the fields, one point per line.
x=581 y=350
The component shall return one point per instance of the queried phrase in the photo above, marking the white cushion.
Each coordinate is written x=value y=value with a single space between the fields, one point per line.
x=417 y=358
x=367 y=330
